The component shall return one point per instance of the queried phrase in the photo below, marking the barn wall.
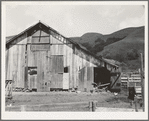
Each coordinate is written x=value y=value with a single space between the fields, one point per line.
x=46 y=53
x=74 y=58
x=86 y=78
x=15 y=63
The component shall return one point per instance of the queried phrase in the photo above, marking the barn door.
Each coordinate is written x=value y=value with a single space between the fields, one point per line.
x=32 y=78
x=57 y=70
x=115 y=81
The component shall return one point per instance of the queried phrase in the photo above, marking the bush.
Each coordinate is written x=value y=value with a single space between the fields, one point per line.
x=132 y=54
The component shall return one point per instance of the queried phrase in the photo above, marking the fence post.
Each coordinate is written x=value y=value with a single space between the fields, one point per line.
x=127 y=84
x=93 y=106
x=142 y=81
x=136 y=109
x=90 y=106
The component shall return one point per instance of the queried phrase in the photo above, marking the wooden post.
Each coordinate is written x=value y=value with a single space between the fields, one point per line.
x=93 y=106
x=136 y=109
x=90 y=106
x=142 y=81
x=127 y=84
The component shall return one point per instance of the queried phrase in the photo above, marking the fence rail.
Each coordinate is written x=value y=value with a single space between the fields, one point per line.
x=75 y=106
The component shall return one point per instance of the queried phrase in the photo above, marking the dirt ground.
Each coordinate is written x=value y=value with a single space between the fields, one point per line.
x=70 y=101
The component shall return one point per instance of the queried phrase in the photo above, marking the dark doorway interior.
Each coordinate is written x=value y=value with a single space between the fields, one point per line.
x=101 y=75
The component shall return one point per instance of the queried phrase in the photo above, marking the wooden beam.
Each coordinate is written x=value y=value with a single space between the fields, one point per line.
x=104 y=85
x=142 y=81
x=116 y=79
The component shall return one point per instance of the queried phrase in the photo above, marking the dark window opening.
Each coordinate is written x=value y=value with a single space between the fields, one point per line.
x=32 y=70
x=34 y=90
x=65 y=69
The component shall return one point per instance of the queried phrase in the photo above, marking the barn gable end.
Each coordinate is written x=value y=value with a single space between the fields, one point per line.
x=41 y=58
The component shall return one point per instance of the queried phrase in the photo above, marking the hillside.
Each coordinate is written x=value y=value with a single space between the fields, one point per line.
x=124 y=45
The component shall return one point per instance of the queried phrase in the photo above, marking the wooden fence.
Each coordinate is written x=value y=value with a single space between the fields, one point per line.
x=80 y=106
x=131 y=80
x=73 y=106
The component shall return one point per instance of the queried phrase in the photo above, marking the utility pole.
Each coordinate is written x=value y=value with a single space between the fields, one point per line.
x=142 y=81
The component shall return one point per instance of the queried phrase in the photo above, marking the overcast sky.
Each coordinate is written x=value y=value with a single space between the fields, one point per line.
x=74 y=20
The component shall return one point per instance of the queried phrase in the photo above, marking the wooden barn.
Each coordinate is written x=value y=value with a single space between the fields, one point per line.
x=42 y=59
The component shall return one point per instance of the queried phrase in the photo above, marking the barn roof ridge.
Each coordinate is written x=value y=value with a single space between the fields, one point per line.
x=38 y=25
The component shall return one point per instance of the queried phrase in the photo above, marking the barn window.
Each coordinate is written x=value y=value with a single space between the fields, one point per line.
x=32 y=70
x=65 y=69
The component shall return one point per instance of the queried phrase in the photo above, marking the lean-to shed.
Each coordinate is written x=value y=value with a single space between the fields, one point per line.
x=41 y=58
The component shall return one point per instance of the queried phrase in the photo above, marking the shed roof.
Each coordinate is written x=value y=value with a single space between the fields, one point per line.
x=40 y=26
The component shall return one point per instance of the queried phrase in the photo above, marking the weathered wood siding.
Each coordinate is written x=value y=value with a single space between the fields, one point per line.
x=86 y=78
x=15 y=63
x=50 y=54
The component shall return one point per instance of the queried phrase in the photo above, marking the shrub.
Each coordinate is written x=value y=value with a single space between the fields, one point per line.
x=132 y=54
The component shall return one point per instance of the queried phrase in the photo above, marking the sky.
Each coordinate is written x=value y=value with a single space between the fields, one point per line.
x=72 y=20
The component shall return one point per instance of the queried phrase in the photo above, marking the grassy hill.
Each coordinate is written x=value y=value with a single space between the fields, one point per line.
x=124 y=45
